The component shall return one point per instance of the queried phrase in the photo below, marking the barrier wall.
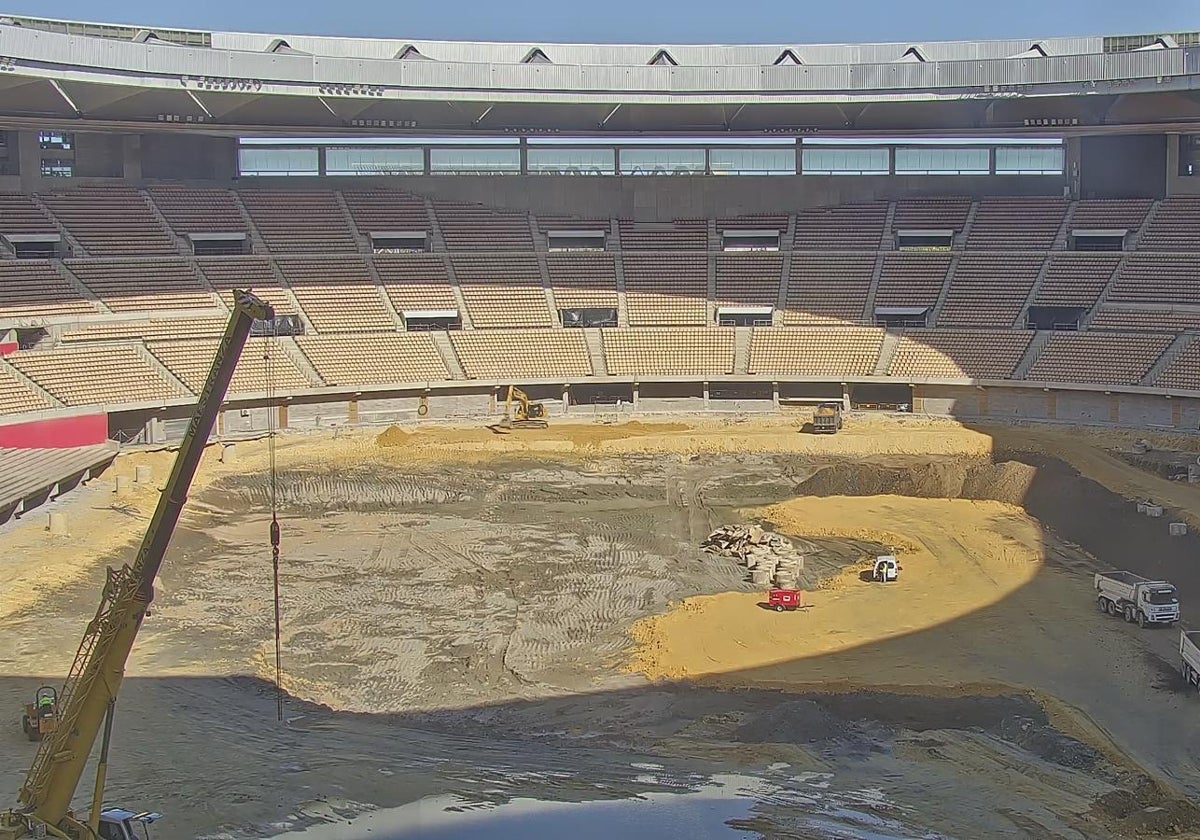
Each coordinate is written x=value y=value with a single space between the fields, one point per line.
x=55 y=432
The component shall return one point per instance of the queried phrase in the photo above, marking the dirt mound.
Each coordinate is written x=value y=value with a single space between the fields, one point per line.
x=1142 y=808
x=393 y=436
x=959 y=478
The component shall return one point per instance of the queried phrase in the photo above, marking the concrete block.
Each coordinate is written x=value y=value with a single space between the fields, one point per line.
x=57 y=524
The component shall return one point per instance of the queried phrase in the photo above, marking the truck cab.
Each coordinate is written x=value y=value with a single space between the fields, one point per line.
x=120 y=824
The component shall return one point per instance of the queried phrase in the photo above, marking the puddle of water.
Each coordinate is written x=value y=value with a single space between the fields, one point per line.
x=698 y=814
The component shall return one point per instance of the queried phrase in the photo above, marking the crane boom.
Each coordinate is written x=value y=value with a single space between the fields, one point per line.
x=95 y=676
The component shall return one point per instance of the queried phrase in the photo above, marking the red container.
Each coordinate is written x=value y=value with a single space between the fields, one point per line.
x=785 y=599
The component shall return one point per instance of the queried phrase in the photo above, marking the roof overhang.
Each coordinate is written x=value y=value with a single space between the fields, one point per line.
x=15 y=238
x=232 y=236
x=901 y=310
x=356 y=86
x=745 y=310
x=410 y=314
x=1099 y=232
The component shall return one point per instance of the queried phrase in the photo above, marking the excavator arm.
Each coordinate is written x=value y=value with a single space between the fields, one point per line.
x=95 y=677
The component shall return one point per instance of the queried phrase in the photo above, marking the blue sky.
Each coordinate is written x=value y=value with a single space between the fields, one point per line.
x=661 y=21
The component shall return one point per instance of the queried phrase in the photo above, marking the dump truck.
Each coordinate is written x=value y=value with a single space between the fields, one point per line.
x=827 y=418
x=1137 y=598
x=1189 y=656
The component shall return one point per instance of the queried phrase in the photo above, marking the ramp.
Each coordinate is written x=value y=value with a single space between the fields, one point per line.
x=30 y=477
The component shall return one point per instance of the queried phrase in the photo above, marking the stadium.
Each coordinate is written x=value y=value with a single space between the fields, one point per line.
x=985 y=254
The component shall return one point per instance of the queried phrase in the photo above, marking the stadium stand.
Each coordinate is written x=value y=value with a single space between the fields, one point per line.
x=337 y=294
x=1076 y=279
x=847 y=227
x=1110 y=214
x=1158 y=278
x=828 y=288
x=293 y=221
x=191 y=210
x=1144 y=320
x=469 y=227
x=415 y=281
x=16 y=397
x=931 y=214
x=33 y=290
x=679 y=351
x=679 y=236
x=661 y=291
x=1184 y=370
x=1174 y=225
x=748 y=279
x=912 y=279
x=190 y=361
x=225 y=274
x=159 y=329
x=18 y=214
x=582 y=280
x=500 y=354
x=988 y=290
x=1016 y=223
x=386 y=211
x=959 y=354
x=502 y=290
x=377 y=359
x=144 y=285
x=815 y=351
x=1106 y=359
x=111 y=222
x=96 y=374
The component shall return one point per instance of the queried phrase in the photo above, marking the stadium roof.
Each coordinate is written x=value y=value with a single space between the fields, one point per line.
x=119 y=76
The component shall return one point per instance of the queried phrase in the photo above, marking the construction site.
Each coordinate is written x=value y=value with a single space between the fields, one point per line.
x=474 y=619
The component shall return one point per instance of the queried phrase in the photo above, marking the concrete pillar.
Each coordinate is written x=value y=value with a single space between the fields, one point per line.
x=845 y=396
x=916 y=400
x=523 y=154
x=982 y=395
x=228 y=453
x=155 y=432
x=635 y=396
x=566 y=398
x=123 y=485
x=1114 y=408
x=57 y=524
x=352 y=412
x=220 y=423
x=142 y=474
x=706 y=395
x=775 y=395
x=1176 y=413
x=29 y=159
x=131 y=150
x=1052 y=405
x=282 y=422
x=1071 y=163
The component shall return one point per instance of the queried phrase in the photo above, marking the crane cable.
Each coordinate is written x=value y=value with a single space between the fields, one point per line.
x=272 y=407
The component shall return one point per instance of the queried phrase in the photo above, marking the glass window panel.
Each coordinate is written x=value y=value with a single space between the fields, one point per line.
x=1029 y=160
x=572 y=161
x=845 y=161
x=661 y=161
x=753 y=161
x=477 y=161
x=359 y=160
x=298 y=161
x=935 y=161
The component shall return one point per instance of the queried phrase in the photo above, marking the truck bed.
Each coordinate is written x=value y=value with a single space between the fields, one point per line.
x=1126 y=578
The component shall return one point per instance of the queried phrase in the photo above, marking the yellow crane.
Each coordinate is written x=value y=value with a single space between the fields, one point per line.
x=87 y=699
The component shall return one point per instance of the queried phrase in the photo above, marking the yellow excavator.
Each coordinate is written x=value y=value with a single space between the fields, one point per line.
x=521 y=413
x=87 y=699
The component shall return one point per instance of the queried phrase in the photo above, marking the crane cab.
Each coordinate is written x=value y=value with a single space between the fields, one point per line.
x=120 y=824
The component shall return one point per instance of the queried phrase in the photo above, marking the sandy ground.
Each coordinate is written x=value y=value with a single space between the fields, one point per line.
x=489 y=616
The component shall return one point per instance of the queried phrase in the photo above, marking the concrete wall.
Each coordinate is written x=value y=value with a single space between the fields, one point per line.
x=188 y=157
x=947 y=400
